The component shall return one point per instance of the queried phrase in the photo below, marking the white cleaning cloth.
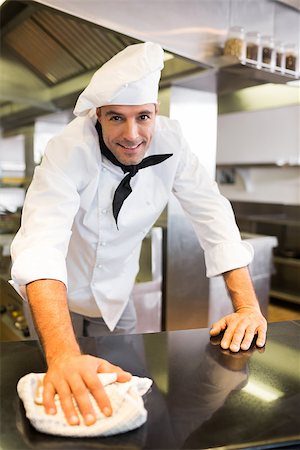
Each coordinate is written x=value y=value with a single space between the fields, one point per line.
x=126 y=401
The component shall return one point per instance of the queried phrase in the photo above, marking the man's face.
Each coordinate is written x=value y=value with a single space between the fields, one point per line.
x=127 y=130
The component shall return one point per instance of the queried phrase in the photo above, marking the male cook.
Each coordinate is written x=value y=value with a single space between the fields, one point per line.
x=102 y=184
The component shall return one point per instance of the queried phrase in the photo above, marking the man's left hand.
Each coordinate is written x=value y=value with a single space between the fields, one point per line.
x=240 y=329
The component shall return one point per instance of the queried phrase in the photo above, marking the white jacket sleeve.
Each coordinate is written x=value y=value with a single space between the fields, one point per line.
x=212 y=216
x=40 y=246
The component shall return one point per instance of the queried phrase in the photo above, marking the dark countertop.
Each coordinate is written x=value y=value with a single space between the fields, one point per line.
x=202 y=397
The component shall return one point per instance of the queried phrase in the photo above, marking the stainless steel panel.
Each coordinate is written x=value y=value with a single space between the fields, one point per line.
x=42 y=52
x=58 y=47
x=147 y=292
x=187 y=288
x=292 y=3
x=260 y=269
x=67 y=32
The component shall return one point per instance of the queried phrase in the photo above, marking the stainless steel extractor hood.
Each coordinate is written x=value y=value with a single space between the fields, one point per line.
x=51 y=48
x=48 y=57
x=292 y=3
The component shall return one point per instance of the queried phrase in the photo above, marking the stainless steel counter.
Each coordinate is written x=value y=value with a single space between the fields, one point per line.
x=261 y=269
x=202 y=397
x=190 y=299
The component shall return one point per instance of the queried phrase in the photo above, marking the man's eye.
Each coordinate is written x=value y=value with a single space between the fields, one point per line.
x=144 y=117
x=116 y=118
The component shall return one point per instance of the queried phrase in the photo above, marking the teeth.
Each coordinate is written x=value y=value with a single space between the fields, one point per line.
x=130 y=148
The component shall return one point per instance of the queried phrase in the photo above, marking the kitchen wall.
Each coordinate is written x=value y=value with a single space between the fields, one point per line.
x=196 y=111
x=12 y=158
x=278 y=185
x=258 y=150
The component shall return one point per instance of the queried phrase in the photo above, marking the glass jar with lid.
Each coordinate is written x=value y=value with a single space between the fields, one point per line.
x=253 y=47
x=267 y=52
x=279 y=56
x=290 y=56
x=235 y=43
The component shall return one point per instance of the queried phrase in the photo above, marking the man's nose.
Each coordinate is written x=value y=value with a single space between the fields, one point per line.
x=130 y=131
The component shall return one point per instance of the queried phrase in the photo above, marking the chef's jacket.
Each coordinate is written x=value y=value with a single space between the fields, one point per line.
x=68 y=231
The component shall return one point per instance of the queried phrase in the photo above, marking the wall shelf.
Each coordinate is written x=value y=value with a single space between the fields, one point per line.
x=260 y=75
x=230 y=170
x=272 y=219
x=226 y=74
x=293 y=262
x=285 y=295
x=250 y=165
x=15 y=182
x=284 y=223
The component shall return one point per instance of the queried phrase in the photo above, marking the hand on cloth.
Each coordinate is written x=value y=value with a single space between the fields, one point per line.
x=128 y=411
x=74 y=378
x=240 y=328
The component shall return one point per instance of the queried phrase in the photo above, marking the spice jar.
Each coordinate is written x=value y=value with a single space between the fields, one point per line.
x=235 y=43
x=252 y=47
x=268 y=52
x=279 y=56
x=290 y=57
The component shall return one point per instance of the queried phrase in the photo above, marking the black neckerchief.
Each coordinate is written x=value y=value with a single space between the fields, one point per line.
x=124 y=188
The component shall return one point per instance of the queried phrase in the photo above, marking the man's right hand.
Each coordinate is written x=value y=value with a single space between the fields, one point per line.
x=70 y=374
x=76 y=376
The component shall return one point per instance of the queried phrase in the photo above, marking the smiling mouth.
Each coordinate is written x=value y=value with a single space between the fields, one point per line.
x=131 y=148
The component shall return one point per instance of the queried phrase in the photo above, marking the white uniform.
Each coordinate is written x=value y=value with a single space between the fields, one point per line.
x=68 y=231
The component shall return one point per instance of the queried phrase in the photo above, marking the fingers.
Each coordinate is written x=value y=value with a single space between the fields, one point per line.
x=81 y=396
x=77 y=390
x=238 y=336
x=96 y=389
x=262 y=336
x=48 y=398
x=67 y=404
x=66 y=401
x=123 y=376
x=107 y=367
x=218 y=327
x=240 y=330
x=74 y=379
x=248 y=337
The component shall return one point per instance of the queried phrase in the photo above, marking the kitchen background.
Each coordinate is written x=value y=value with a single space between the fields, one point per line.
x=239 y=111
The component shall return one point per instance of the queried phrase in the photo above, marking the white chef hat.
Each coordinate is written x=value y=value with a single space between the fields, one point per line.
x=129 y=78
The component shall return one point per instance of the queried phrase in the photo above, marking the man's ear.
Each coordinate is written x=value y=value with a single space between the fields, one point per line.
x=98 y=112
x=156 y=108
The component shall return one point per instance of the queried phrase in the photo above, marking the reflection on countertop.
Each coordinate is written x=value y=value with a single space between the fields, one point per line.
x=202 y=397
